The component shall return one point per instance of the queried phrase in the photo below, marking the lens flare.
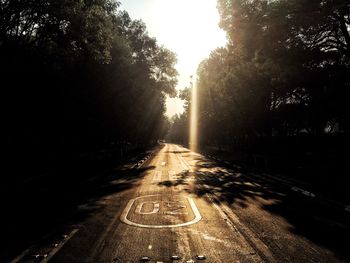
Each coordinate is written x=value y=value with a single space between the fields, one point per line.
x=194 y=117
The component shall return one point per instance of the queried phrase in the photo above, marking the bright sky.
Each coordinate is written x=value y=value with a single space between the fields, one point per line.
x=187 y=27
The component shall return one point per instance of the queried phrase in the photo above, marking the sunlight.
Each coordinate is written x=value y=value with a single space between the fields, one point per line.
x=174 y=106
x=187 y=27
x=194 y=118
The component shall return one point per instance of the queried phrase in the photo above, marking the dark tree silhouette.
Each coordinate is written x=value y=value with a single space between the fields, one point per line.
x=280 y=89
x=285 y=71
x=79 y=76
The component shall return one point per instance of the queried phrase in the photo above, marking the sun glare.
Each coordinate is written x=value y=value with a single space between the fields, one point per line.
x=187 y=27
x=194 y=118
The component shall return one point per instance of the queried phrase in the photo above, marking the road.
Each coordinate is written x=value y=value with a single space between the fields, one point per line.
x=181 y=204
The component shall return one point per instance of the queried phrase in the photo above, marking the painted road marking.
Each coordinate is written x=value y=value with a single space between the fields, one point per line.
x=154 y=210
x=183 y=161
x=174 y=206
x=157 y=176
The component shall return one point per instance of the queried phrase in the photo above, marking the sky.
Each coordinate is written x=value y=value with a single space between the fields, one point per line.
x=187 y=27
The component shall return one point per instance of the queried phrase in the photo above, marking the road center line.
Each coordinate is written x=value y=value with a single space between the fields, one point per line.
x=183 y=161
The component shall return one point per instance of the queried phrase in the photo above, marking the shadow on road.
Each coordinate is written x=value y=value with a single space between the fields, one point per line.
x=182 y=151
x=305 y=217
x=180 y=180
x=45 y=205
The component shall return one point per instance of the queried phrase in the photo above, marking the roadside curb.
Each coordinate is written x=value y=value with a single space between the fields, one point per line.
x=142 y=161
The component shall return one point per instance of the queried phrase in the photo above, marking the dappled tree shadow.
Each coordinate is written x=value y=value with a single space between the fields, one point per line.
x=229 y=185
x=63 y=198
x=182 y=151
x=325 y=226
x=180 y=180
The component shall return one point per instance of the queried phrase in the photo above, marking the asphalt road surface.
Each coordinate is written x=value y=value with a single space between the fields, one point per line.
x=182 y=207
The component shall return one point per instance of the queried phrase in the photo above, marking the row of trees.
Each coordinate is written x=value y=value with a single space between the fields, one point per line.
x=284 y=71
x=80 y=74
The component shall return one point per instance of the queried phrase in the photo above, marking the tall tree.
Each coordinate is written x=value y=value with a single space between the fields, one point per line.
x=284 y=71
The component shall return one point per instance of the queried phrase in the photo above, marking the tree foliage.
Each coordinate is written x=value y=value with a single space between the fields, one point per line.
x=80 y=73
x=284 y=71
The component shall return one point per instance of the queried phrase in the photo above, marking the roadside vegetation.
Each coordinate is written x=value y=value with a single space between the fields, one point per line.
x=277 y=96
x=78 y=77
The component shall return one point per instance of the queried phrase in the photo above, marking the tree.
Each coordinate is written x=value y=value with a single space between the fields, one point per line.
x=283 y=70
x=80 y=75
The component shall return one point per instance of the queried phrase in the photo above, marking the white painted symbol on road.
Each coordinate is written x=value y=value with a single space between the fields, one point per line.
x=172 y=207
x=139 y=207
